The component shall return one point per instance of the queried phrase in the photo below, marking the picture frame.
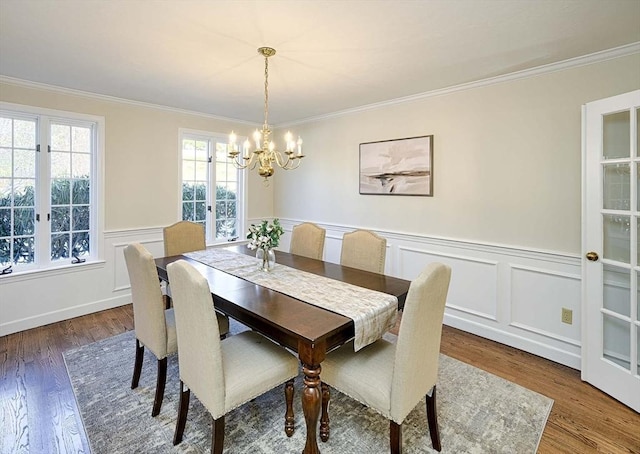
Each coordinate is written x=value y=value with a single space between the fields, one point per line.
x=397 y=167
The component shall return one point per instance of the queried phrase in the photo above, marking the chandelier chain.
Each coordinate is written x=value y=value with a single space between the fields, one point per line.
x=266 y=92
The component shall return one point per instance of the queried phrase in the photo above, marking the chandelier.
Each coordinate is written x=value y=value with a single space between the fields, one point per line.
x=264 y=155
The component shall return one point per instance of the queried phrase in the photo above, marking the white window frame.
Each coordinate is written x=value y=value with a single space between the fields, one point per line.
x=241 y=211
x=44 y=118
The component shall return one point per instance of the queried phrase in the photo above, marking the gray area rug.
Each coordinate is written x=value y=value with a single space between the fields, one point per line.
x=477 y=412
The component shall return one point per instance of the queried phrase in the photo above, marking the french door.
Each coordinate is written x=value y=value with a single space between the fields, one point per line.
x=611 y=260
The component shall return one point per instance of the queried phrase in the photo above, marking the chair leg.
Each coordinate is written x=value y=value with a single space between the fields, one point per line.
x=324 y=417
x=432 y=419
x=395 y=437
x=137 y=367
x=162 y=379
x=217 y=435
x=288 y=416
x=183 y=409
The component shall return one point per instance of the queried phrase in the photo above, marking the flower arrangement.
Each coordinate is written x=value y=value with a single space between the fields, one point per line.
x=265 y=235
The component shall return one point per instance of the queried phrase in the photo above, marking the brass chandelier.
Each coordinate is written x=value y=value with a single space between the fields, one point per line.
x=265 y=154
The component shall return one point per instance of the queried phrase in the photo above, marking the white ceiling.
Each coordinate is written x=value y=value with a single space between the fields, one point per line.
x=200 y=55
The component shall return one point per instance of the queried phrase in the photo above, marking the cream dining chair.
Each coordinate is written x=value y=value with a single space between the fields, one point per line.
x=364 y=250
x=307 y=239
x=186 y=236
x=155 y=327
x=391 y=377
x=222 y=374
x=183 y=236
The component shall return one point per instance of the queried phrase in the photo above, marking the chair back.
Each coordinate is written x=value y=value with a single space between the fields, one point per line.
x=148 y=305
x=199 y=350
x=307 y=239
x=418 y=346
x=183 y=236
x=364 y=250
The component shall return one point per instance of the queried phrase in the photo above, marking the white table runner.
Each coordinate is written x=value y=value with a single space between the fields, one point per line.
x=372 y=312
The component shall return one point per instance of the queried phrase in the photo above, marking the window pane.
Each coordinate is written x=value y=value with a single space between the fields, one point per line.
x=221 y=173
x=81 y=165
x=188 y=149
x=24 y=192
x=81 y=191
x=23 y=250
x=81 y=218
x=23 y=221
x=5 y=251
x=5 y=222
x=616 y=287
x=60 y=246
x=24 y=164
x=60 y=165
x=231 y=209
x=60 y=138
x=60 y=219
x=81 y=140
x=188 y=170
x=188 y=211
x=187 y=191
x=617 y=237
x=5 y=192
x=201 y=191
x=202 y=150
x=60 y=192
x=81 y=243
x=6 y=132
x=5 y=162
x=220 y=209
x=24 y=134
x=201 y=211
x=201 y=170
x=615 y=132
x=232 y=189
x=616 y=340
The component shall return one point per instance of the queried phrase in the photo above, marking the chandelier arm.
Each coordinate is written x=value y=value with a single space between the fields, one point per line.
x=295 y=163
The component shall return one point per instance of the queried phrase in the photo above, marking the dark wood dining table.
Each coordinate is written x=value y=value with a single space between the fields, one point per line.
x=302 y=327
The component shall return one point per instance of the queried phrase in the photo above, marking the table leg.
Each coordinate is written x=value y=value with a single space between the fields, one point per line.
x=311 y=355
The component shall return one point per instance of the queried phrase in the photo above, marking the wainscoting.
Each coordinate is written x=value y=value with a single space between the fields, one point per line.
x=510 y=295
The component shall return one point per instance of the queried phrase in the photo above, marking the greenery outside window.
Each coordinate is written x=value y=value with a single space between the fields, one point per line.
x=48 y=187
x=211 y=188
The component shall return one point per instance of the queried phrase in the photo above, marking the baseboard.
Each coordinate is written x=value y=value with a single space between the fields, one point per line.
x=64 y=314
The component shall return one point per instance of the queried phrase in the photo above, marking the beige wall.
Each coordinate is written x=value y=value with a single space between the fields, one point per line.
x=507 y=161
x=141 y=156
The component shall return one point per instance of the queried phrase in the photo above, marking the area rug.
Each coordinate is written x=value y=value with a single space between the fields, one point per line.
x=477 y=412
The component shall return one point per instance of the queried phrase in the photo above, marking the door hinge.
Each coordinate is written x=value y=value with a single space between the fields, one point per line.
x=209 y=208
x=37 y=217
x=38 y=148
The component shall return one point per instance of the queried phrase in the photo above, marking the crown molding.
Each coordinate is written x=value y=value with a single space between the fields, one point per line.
x=86 y=94
x=597 y=57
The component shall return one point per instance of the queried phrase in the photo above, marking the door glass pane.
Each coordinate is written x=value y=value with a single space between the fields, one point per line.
x=616 y=135
x=617 y=181
x=616 y=289
x=616 y=340
x=617 y=237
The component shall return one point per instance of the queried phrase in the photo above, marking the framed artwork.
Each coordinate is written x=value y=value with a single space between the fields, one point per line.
x=397 y=167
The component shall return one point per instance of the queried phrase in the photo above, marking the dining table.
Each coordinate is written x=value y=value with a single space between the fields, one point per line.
x=294 y=323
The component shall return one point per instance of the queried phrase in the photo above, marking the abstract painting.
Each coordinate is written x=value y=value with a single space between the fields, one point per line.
x=397 y=167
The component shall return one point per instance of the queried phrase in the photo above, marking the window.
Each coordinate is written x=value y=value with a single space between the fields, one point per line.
x=48 y=187
x=212 y=188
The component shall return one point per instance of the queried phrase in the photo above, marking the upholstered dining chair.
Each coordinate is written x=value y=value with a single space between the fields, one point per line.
x=392 y=377
x=364 y=250
x=183 y=236
x=307 y=239
x=155 y=327
x=222 y=374
x=186 y=236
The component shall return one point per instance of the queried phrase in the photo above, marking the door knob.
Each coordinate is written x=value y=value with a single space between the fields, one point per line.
x=592 y=256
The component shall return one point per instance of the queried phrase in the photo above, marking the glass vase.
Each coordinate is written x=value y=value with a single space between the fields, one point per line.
x=266 y=259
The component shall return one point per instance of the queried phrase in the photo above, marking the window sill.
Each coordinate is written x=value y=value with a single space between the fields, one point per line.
x=38 y=273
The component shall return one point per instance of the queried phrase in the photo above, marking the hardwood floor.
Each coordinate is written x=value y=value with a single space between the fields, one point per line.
x=39 y=412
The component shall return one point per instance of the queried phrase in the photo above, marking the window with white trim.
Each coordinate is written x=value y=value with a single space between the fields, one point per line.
x=48 y=190
x=212 y=189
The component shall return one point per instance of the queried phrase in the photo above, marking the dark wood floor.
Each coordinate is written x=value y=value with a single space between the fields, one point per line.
x=39 y=412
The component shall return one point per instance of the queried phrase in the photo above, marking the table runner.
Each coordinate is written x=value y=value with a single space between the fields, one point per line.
x=373 y=313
